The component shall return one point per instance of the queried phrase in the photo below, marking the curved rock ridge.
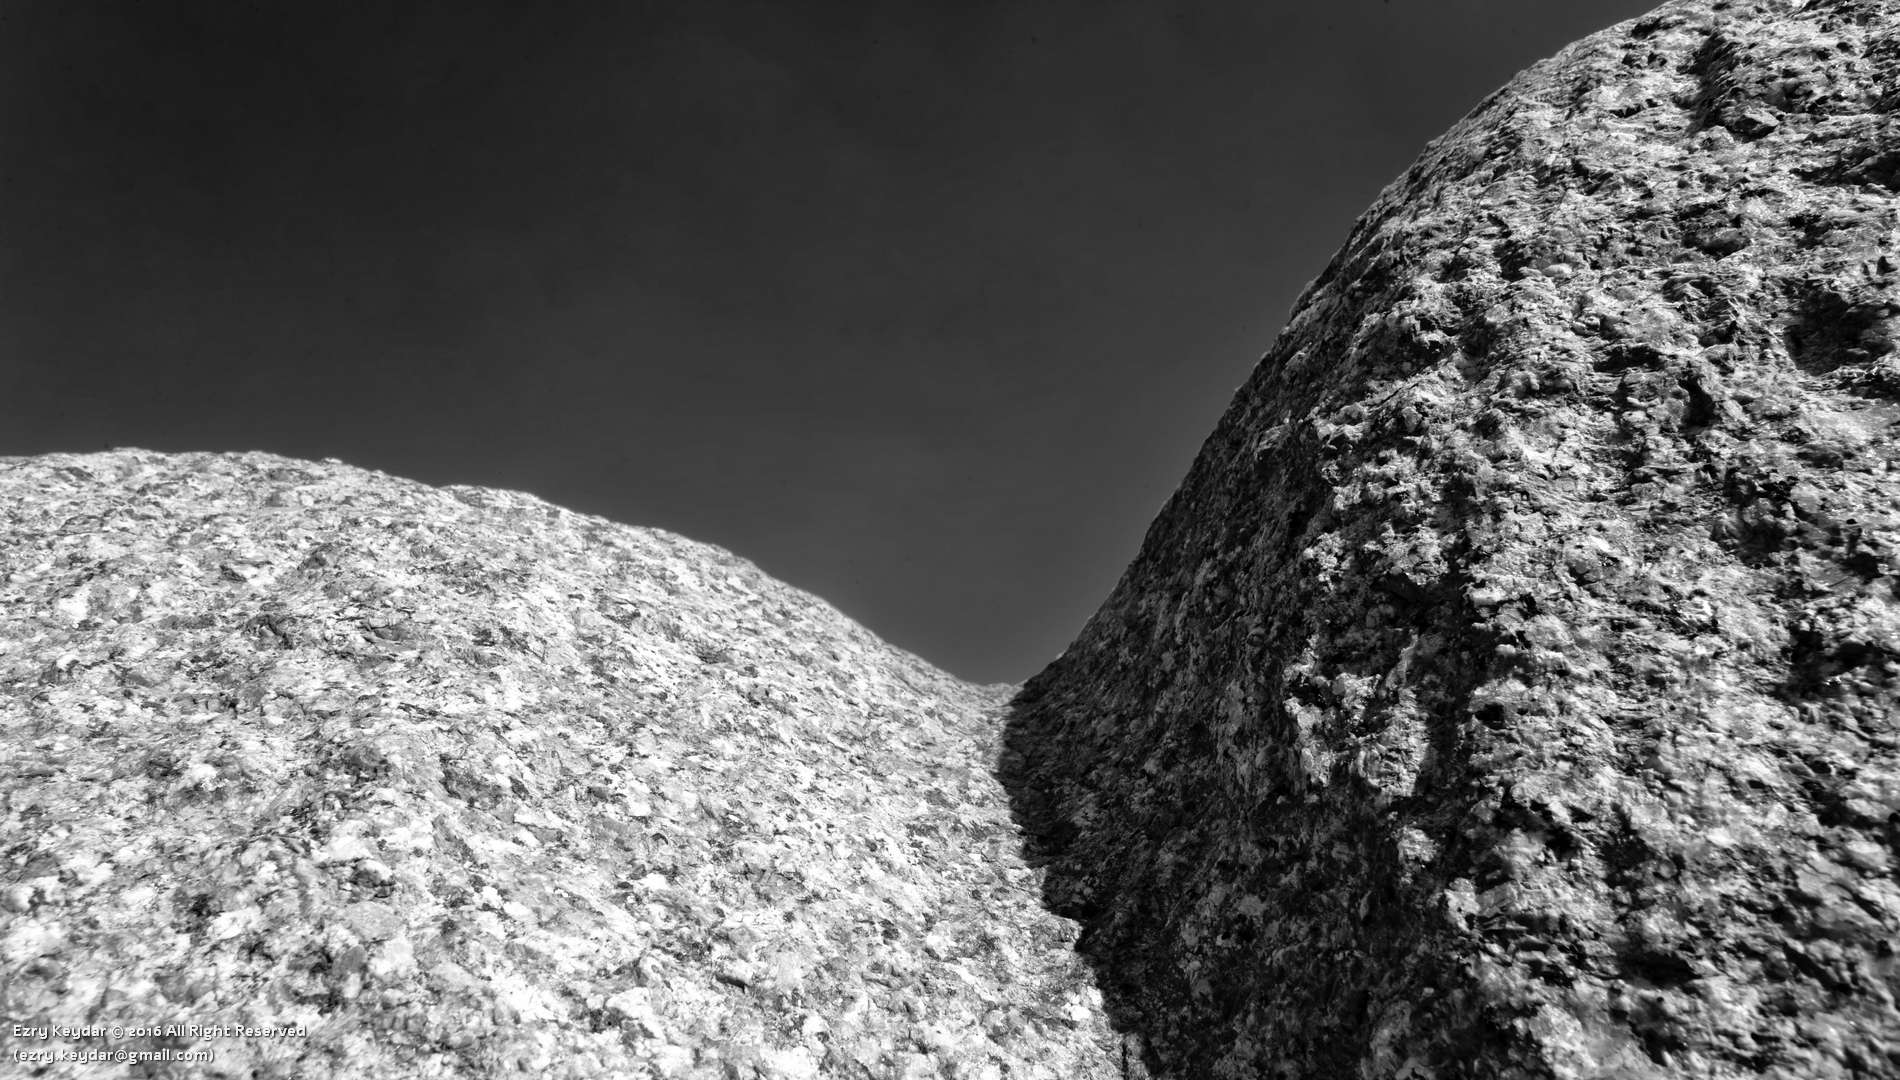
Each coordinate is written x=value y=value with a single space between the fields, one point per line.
x=1510 y=687
x=454 y=783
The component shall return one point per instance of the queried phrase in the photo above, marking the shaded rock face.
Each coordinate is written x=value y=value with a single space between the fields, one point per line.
x=452 y=782
x=1510 y=688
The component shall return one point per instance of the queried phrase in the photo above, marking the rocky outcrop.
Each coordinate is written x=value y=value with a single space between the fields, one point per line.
x=1510 y=689
x=320 y=773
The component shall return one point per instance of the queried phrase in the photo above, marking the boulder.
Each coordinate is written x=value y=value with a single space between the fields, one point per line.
x=309 y=771
x=1512 y=687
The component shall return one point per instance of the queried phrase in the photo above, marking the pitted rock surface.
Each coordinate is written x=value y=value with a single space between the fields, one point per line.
x=1510 y=689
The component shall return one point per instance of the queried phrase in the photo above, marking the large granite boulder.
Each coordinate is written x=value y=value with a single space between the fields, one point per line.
x=1512 y=688
x=325 y=773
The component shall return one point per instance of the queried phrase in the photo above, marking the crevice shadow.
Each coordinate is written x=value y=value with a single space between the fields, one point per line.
x=1292 y=936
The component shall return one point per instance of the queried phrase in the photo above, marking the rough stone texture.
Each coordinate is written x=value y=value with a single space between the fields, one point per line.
x=1510 y=688
x=455 y=783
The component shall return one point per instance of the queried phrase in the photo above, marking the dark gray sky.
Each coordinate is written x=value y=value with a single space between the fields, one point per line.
x=922 y=307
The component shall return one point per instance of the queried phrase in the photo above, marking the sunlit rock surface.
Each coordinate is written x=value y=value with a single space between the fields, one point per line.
x=449 y=782
x=1510 y=687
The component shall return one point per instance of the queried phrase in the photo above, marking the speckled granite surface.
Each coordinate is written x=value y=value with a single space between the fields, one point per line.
x=1510 y=688
x=386 y=780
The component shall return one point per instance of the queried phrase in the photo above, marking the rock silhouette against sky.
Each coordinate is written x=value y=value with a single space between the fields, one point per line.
x=922 y=305
x=1511 y=687
x=459 y=783
x=1509 y=690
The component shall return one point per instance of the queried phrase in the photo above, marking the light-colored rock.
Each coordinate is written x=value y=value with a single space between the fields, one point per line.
x=1510 y=688
x=455 y=783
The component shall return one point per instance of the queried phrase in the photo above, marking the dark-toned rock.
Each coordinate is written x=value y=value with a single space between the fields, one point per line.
x=308 y=771
x=1512 y=688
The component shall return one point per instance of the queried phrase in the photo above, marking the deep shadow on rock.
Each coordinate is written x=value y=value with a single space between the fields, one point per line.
x=1510 y=689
